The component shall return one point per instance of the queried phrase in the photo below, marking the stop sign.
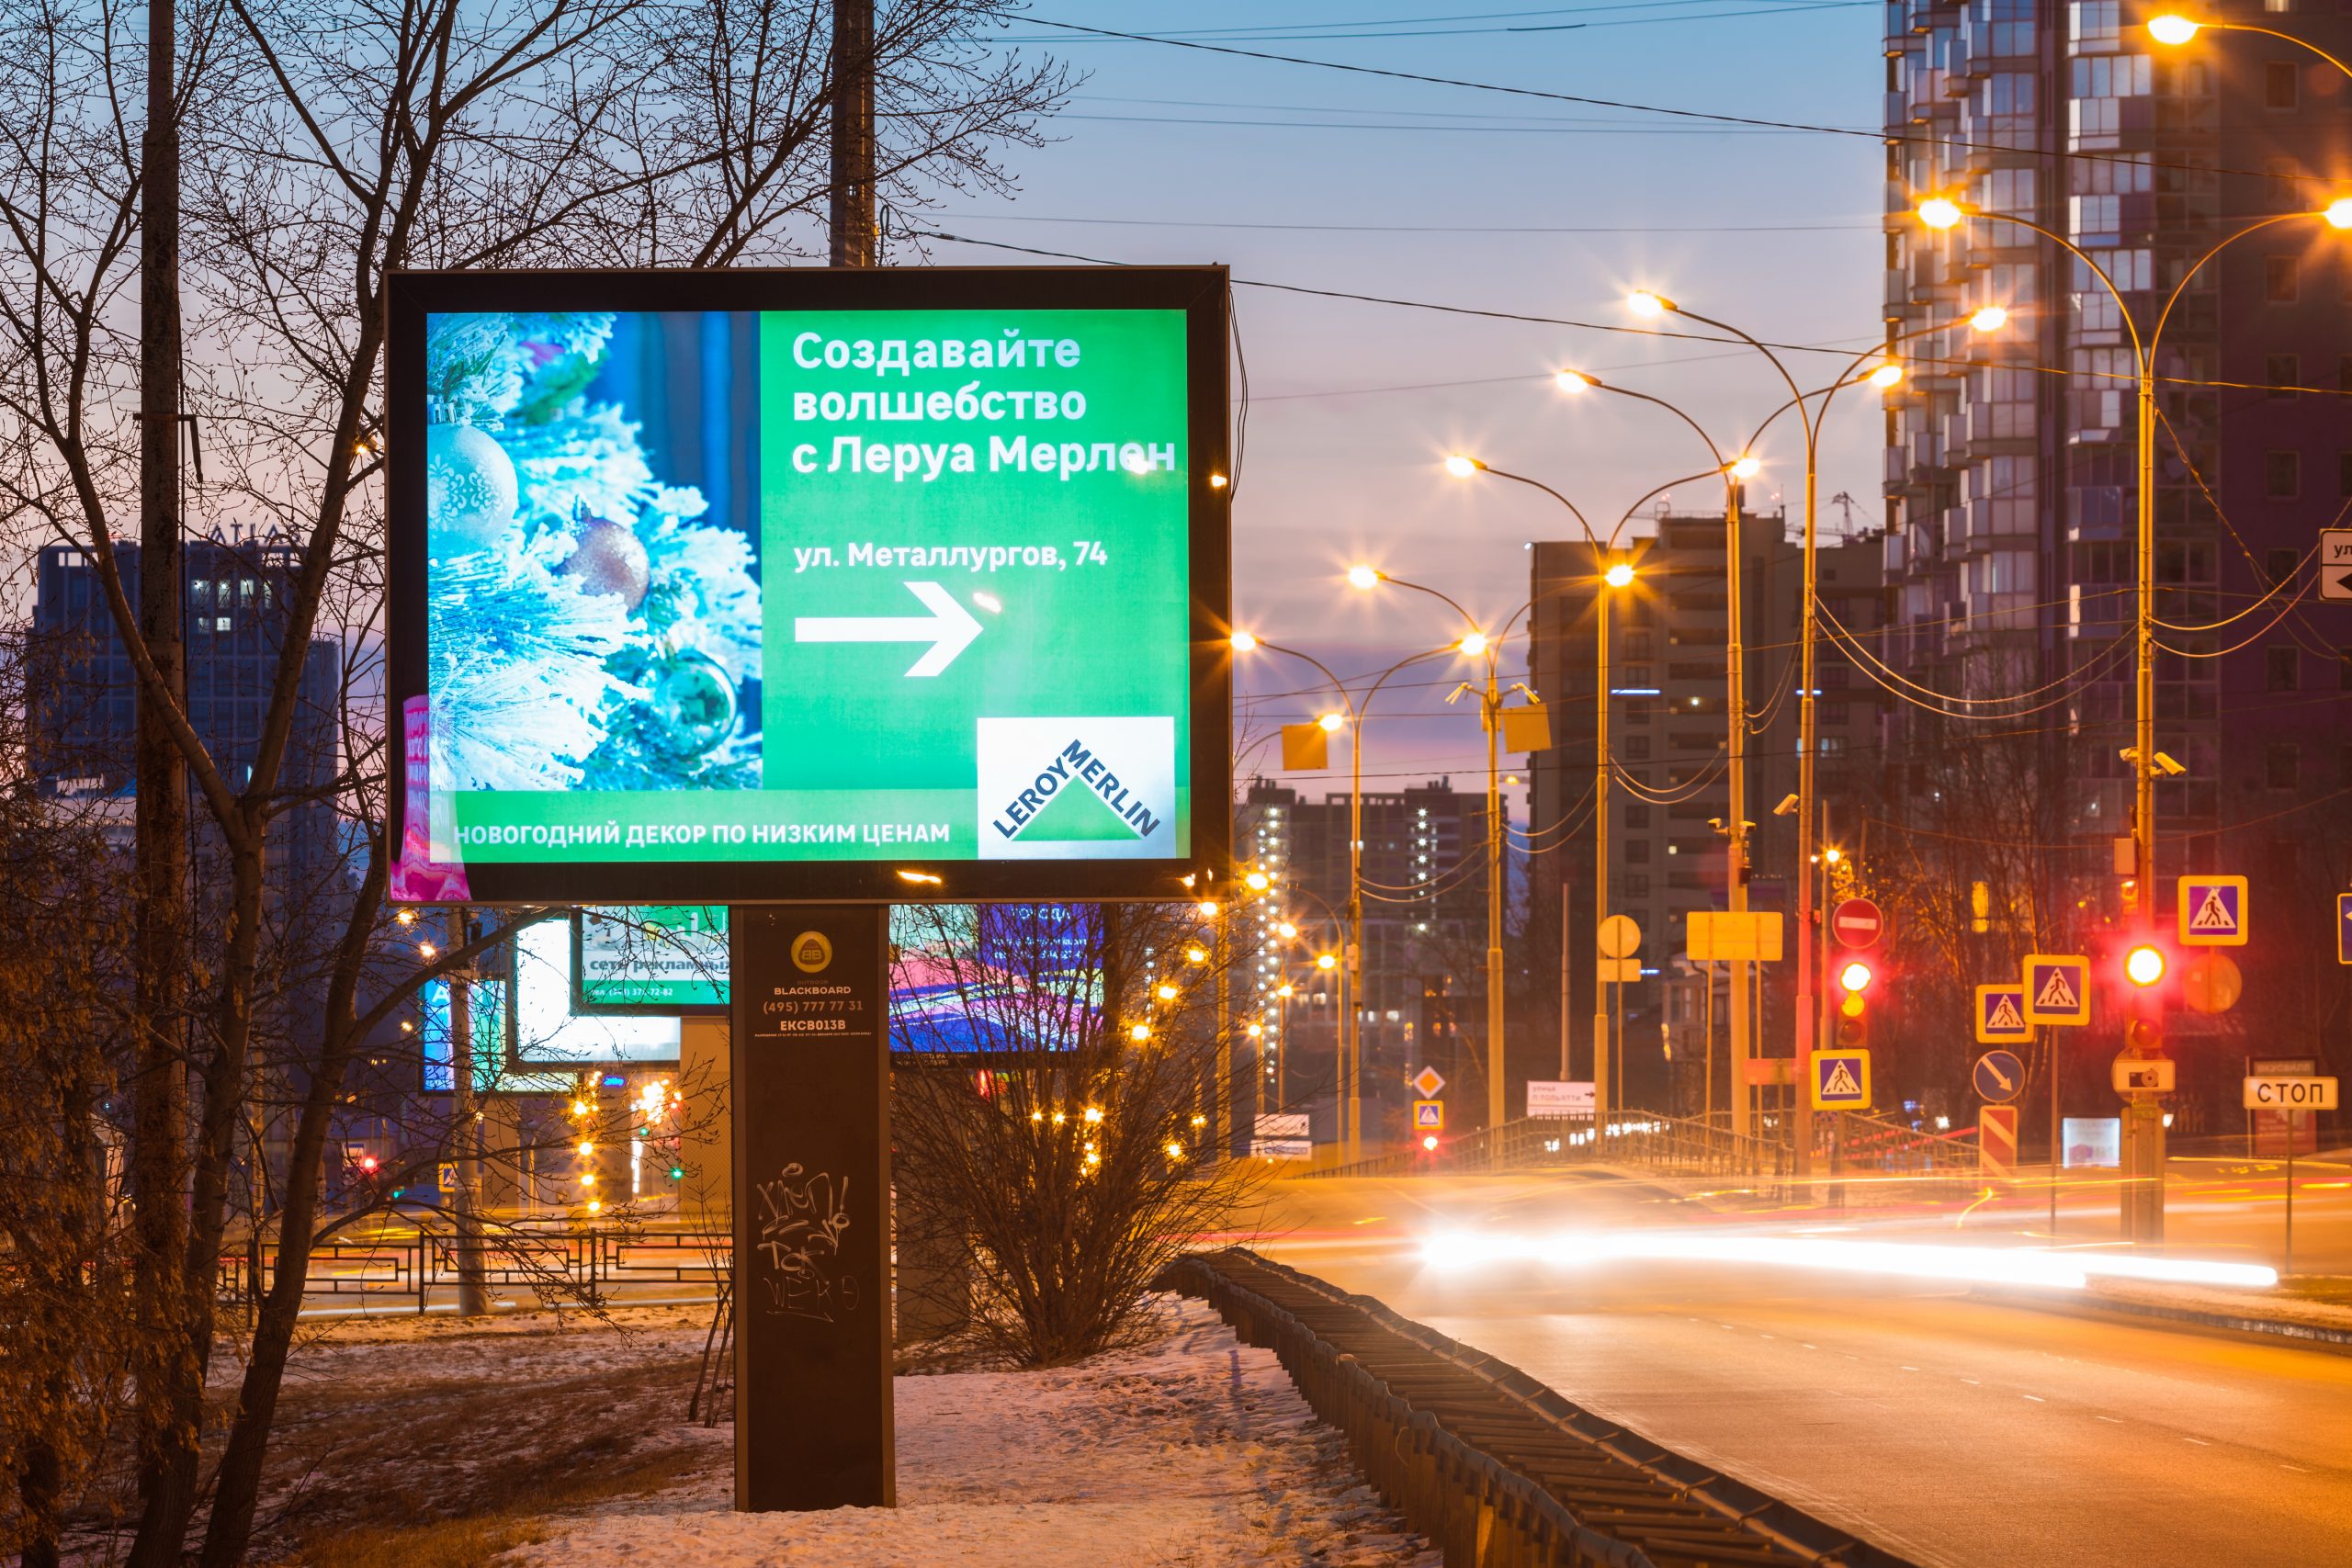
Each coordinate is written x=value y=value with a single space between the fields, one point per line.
x=1858 y=922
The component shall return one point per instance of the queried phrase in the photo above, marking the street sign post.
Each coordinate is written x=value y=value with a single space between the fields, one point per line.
x=2000 y=1016
x=2294 y=1096
x=1858 y=922
x=2142 y=1075
x=2213 y=911
x=1841 y=1080
x=2271 y=1091
x=2057 y=988
x=2344 y=928
x=1996 y=1141
x=1999 y=1076
x=2335 y=563
x=1428 y=1083
x=1429 y=1116
x=1619 y=936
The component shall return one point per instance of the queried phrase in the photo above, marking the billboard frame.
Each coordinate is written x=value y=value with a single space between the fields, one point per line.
x=1202 y=293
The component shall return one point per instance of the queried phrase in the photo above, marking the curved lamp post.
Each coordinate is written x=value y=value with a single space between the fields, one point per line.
x=1351 y=987
x=2143 y=1141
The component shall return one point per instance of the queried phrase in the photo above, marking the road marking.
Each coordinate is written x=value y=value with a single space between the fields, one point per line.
x=1809 y=1347
x=2037 y=1399
x=2111 y=1420
x=1972 y=1383
x=2198 y=1441
x=2298 y=1469
x=1910 y=1369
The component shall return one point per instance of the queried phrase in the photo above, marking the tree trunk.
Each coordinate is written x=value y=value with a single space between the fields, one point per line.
x=237 y=1487
x=167 y=1417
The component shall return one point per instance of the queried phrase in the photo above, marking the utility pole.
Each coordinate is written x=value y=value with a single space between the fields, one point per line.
x=473 y=1295
x=2144 y=1125
x=852 y=168
x=171 y=1388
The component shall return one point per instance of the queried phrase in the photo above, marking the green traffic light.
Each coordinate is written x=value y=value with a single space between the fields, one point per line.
x=677 y=1171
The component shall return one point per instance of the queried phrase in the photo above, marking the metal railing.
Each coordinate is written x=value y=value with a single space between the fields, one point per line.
x=1667 y=1144
x=582 y=1263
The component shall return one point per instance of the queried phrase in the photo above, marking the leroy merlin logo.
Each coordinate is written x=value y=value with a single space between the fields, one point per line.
x=1077 y=788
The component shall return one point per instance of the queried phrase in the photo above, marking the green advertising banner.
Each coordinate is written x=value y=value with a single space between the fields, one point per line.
x=895 y=574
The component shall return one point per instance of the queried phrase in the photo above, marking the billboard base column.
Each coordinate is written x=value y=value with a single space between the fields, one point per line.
x=810 y=1088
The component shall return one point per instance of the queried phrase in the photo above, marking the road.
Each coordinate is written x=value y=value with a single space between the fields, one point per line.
x=1954 y=1429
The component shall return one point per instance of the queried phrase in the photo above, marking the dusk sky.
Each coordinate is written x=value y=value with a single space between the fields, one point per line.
x=1295 y=174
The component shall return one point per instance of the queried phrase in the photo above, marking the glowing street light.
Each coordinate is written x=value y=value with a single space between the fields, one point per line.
x=1331 y=723
x=1884 y=375
x=1619 y=575
x=1365 y=576
x=1242 y=642
x=1941 y=212
x=2338 y=212
x=1474 y=644
x=1989 y=319
x=2172 y=28
x=1648 y=302
x=1574 y=381
x=1745 y=467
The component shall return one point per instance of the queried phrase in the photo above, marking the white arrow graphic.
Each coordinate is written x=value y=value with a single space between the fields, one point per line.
x=949 y=628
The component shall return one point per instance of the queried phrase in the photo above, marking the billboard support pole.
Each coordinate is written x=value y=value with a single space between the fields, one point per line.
x=853 y=167
x=809 y=1088
x=473 y=1295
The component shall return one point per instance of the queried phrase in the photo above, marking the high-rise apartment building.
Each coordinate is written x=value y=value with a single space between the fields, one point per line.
x=1424 y=937
x=2011 y=481
x=1669 y=738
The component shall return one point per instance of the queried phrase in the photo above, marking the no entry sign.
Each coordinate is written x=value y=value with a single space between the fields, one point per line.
x=1858 y=922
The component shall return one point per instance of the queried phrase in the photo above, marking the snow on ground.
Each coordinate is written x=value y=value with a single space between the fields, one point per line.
x=1194 y=1451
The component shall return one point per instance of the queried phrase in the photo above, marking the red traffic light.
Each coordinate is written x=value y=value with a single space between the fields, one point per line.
x=1855 y=977
x=2145 y=965
x=1429 y=1144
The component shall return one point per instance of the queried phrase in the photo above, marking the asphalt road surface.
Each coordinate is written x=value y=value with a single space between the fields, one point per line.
x=1945 y=1427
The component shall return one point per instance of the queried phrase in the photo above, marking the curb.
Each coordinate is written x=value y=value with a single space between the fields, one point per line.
x=2108 y=1309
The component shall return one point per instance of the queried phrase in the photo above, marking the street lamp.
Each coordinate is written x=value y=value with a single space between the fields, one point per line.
x=1732 y=470
x=1883 y=376
x=1476 y=644
x=2142 y=1188
x=2173 y=29
x=1352 y=985
x=1615 y=574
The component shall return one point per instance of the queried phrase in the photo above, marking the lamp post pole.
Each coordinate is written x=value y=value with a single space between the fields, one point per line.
x=2143 y=1214
x=1351 y=986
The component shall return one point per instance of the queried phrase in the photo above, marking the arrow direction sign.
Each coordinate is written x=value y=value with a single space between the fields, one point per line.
x=2000 y=1076
x=2335 y=563
x=949 y=628
x=2213 y=911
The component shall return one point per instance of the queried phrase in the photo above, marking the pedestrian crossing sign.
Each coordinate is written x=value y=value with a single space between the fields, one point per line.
x=2057 y=988
x=2000 y=1016
x=2213 y=911
x=1841 y=1080
x=1429 y=1116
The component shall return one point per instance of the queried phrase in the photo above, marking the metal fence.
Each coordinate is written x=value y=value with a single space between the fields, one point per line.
x=1667 y=1145
x=584 y=1263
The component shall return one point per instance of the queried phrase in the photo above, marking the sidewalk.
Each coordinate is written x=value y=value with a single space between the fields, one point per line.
x=2315 y=1312
x=546 y=1444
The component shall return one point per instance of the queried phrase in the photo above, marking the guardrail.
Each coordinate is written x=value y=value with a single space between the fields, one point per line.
x=1668 y=1145
x=1487 y=1463
x=584 y=1263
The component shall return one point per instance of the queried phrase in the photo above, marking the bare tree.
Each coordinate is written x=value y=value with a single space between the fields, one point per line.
x=1064 y=1135
x=327 y=145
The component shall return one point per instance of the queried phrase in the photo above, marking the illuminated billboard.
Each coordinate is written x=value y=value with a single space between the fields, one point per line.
x=727 y=587
x=960 y=980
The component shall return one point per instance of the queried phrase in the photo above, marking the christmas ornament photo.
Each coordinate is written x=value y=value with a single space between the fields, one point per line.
x=595 y=621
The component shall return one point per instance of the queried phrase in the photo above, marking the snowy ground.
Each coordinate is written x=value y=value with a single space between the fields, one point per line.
x=1192 y=1449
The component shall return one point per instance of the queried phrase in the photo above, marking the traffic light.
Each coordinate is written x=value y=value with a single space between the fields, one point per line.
x=1429 y=1143
x=2145 y=965
x=1854 y=979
